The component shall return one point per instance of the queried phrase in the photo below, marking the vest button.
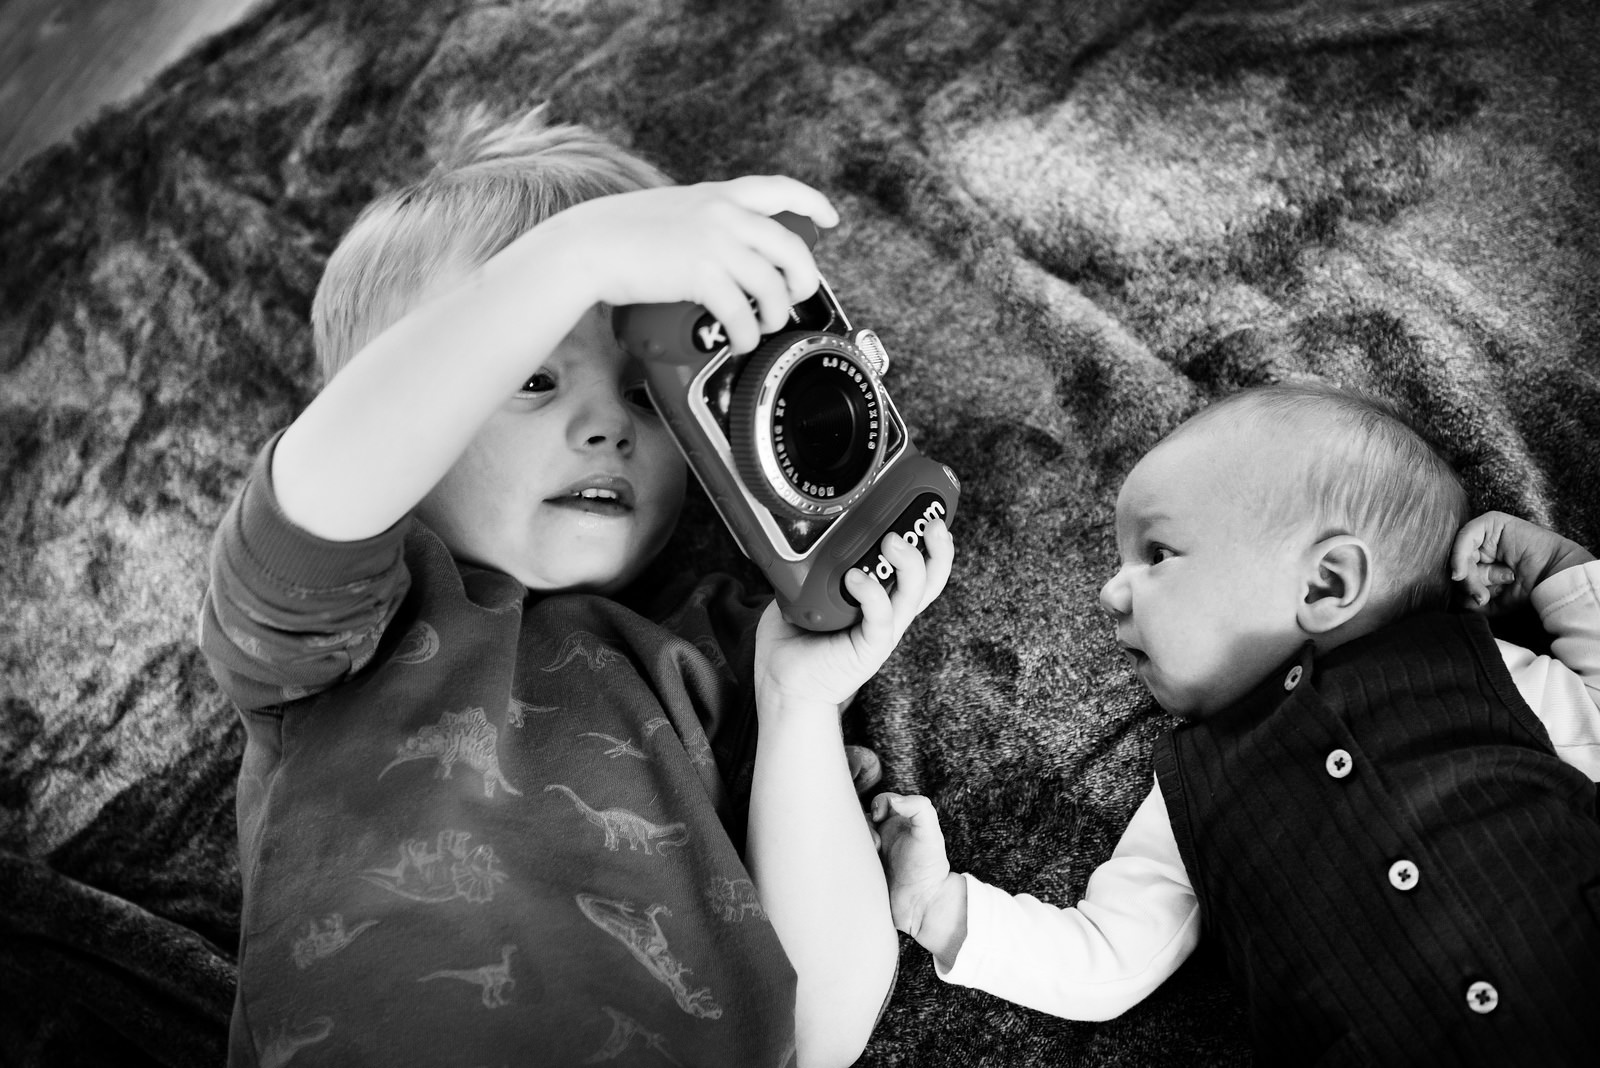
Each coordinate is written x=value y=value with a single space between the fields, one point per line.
x=1291 y=680
x=1339 y=763
x=1403 y=875
x=1482 y=997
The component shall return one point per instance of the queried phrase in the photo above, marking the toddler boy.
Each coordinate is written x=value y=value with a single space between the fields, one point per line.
x=489 y=814
x=1384 y=816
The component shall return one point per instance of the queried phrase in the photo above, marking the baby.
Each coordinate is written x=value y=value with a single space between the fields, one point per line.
x=491 y=812
x=1384 y=815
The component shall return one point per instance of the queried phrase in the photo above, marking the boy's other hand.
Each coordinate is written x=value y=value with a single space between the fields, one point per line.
x=796 y=667
x=1499 y=559
x=714 y=244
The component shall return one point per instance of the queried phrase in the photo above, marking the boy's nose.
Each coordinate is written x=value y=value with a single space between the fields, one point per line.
x=1115 y=596
x=605 y=422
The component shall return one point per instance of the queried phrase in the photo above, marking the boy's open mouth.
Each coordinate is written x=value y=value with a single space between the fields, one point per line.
x=596 y=495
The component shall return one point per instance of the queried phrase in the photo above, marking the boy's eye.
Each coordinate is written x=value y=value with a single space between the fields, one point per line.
x=1158 y=553
x=539 y=382
x=638 y=396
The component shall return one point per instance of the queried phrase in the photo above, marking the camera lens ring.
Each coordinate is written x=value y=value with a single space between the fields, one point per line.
x=808 y=424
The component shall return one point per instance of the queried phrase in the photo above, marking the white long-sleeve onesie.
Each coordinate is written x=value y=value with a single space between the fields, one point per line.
x=1139 y=918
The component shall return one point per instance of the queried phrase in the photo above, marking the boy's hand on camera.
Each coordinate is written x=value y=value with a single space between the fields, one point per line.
x=713 y=244
x=800 y=667
x=1499 y=559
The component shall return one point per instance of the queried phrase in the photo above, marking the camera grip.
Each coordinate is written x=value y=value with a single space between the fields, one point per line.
x=801 y=225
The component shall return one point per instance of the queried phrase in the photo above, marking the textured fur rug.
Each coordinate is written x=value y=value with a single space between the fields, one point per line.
x=1072 y=224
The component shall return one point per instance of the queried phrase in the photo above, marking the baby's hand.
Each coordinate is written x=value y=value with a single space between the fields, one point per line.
x=713 y=244
x=796 y=667
x=912 y=847
x=1499 y=559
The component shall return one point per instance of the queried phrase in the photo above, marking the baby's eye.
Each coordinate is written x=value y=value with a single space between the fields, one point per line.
x=638 y=396
x=539 y=382
x=1159 y=553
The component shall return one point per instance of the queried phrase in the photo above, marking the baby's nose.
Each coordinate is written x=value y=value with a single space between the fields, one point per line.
x=1114 y=596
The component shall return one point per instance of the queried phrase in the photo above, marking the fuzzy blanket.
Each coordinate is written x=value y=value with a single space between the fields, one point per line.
x=1072 y=224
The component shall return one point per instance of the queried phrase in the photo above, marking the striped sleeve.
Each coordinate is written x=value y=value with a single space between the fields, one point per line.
x=288 y=614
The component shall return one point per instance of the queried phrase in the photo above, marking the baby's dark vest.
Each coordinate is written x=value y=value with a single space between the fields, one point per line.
x=1396 y=864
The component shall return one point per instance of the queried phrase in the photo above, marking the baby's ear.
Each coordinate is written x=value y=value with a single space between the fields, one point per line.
x=1338 y=583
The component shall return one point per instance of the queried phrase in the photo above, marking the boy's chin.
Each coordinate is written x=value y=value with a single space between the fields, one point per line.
x=604 y=577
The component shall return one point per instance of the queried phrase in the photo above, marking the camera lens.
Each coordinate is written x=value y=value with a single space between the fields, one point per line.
x=807 y=424
x=823 y=415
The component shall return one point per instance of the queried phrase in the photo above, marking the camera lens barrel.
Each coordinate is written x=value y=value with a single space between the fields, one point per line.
x=807 y=424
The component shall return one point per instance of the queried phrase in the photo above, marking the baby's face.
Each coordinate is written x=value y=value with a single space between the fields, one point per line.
x=1205 y=600
x=574 y=483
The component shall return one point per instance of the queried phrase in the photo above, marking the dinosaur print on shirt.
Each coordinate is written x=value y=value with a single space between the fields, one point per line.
x=445 y=873
x=494 y=979
x=734 y=899
x=286 y=1041
x=419 y=646
x=618 y=746
x=620 y=824
x=696 y=746
x=582 y=645
x=467 y=737
x=648 y=944
x=517 y=711
x=624 y=1029
x=325 y=939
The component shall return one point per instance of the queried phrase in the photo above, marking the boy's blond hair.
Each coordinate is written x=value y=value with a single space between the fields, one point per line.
x=1353 y=464
x=491 y=184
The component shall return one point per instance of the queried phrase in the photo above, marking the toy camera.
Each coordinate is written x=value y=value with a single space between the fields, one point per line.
x=797 y=443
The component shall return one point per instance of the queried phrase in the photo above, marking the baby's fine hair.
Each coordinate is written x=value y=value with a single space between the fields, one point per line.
x=1362 y=469
x=491 y=183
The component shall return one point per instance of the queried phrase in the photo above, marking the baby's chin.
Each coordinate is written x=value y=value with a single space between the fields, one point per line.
x=1183 y=706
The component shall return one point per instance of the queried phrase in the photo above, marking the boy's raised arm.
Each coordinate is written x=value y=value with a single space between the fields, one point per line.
x=388 y=426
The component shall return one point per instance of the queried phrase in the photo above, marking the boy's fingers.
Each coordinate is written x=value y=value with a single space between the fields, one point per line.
x=877 y=611
x=771 y=193
x=766 y=286
x=911 y=579
x=941 y=557
x=788 y=252
x=723 y=297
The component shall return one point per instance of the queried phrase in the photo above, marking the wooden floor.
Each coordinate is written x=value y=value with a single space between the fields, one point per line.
x=61 y=61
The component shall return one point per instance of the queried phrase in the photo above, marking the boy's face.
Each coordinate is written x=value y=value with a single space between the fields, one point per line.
x=574 y=483
x=1205 y=600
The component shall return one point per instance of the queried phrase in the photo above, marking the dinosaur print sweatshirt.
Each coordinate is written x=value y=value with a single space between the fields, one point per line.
x=481 y=828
